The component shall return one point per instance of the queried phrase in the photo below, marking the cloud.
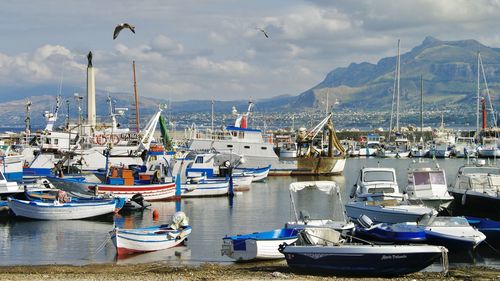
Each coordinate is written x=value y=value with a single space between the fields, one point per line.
x=224 y=67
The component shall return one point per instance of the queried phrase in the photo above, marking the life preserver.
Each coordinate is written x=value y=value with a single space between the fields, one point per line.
x=115 y=139
x=101 y=139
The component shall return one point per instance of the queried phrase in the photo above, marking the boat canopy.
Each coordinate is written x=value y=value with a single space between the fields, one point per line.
x=325 y=186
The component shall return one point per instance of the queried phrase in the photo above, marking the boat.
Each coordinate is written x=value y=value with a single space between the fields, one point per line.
x=258 y=245
x=153 y=238
x=213 y=167
x=488 y=227
x=302 y=219
x=464 y=147
x=406 y=232
x=452 y=232
x=376 y=183
x=477 y=190
x=388 y=211
x=240 y=139
x=205 y=188
x=258 y=174
x=7 y=186
x=321 y=251
x=427 y=185
x=61 y=210
x=328 y=158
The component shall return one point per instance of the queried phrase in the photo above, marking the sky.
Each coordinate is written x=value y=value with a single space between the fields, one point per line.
x=213 y=49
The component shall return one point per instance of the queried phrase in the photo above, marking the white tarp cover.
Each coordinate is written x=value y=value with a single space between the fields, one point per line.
x=325 y=186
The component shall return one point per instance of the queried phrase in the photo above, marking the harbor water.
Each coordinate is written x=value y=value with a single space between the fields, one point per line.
x=266 y=206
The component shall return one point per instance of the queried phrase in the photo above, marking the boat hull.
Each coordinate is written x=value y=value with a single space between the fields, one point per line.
x=258 y=245
x=62 y=211
x=205 y=189
x=309 y=166
x=147 y=239
x=387 y=214
x=476 y=203
x=362 y=260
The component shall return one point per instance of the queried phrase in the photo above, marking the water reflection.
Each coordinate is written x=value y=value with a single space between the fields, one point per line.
x=266 y=206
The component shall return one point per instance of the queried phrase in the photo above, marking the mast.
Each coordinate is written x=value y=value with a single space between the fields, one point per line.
x=326 y=109
x=212 y=114
x=477 y=98
x=421 y=105
x=397 y=88
x=137 y=128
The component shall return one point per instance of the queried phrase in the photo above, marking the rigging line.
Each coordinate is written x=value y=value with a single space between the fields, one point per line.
x=488 y=92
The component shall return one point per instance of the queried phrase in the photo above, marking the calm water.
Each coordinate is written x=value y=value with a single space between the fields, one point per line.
x=266 y=206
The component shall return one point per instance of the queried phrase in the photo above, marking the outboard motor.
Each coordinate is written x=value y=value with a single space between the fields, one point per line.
x=365 y=221
x=139 y=199
x=179 y=220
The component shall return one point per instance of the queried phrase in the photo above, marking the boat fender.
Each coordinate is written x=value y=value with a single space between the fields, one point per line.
x=463 y=198
x=156 y=214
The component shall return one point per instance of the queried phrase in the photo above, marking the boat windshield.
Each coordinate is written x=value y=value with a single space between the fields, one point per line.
x=372 y=176
x=481 y=170
x=449 y=222
x=426 y=178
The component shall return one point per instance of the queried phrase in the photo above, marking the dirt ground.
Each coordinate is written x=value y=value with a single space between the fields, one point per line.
x=248 y=271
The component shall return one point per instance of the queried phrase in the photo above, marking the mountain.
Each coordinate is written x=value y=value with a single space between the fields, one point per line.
x=449 y=70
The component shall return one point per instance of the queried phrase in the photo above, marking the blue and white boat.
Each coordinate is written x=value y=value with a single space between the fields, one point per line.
x=153 y=238
x=205 y=188
x=258 y=245
x=453 y=233
x=321 y=251
x=396 y=233
x=488 y=227
x=258 y=174
x=56 y=210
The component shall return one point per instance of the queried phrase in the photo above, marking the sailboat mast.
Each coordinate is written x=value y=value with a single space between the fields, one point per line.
x=212 y=114
x=137 y=125
x=421 y=106
x=477 y=98
x=397 y=88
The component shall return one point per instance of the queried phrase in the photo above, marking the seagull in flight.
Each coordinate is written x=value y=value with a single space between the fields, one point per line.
x=263 y=31
x=121 y=26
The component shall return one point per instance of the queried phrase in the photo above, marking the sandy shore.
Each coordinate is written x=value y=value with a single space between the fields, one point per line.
x=249 y=271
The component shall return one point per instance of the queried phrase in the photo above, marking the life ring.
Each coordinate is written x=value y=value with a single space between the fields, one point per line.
x=115 y=139
x=101 y=139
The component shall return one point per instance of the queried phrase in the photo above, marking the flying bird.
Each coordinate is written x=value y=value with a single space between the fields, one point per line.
x=121 y=26
x=263 y=31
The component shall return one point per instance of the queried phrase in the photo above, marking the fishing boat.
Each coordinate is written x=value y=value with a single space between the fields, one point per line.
x=321 y=251
x=7 y=186
x=153 y=238
x=452 y=232
x=61 y=210
x=477 y=190
x=302 y=219
x=258 y=245
x=326 y=159
x=427 y=185
x=240 y=139
x=406 y=232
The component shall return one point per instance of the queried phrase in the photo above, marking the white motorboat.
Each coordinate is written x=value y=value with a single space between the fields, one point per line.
x=388 y=211
x=427 y=185
x=477 y=189
x=302 y=219
x=376 y=184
